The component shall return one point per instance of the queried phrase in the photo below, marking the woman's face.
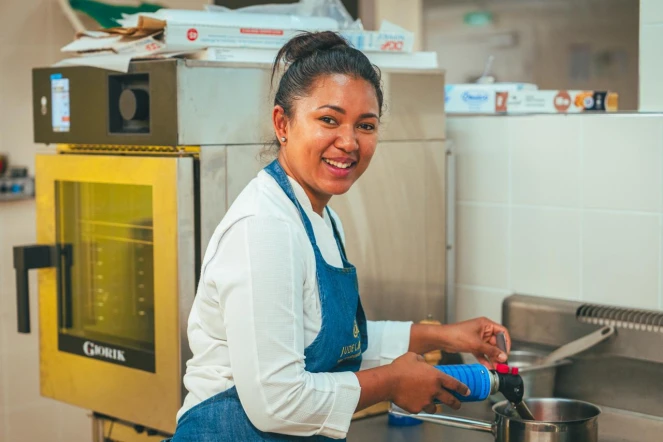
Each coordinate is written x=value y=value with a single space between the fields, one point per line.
x=331 y=136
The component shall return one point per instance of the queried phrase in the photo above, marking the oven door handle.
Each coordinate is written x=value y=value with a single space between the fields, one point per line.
x=38 y=256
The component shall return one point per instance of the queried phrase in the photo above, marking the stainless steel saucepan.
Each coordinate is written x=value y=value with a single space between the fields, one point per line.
x=557 y=420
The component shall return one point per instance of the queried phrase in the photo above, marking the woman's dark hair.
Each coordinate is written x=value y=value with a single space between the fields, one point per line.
x=313 y=54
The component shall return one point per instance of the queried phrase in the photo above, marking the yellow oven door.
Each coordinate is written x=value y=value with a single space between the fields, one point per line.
x=113 y=305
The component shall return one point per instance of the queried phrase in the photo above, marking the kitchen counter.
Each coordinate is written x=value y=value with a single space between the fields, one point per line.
x=614 y=426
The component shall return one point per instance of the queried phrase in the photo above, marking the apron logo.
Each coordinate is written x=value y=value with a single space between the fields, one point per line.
x=354 y=350
x=350 y=349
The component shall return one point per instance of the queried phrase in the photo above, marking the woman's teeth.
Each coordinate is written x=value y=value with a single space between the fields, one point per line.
x=337 y=164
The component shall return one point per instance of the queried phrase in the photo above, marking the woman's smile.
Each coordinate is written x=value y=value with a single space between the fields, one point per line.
x=340 y=167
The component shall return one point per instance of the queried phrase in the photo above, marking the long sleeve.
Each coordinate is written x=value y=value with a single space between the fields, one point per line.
x=260 y=279
x=387 y=340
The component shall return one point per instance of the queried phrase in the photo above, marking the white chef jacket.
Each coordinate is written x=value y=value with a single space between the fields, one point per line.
x=257 y=308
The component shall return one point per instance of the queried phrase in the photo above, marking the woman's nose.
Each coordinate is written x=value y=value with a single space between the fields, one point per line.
x=347 y=140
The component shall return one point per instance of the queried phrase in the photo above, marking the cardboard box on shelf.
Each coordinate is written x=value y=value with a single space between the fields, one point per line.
x=531 y=101
x=476 y=97
x=154 y=38
x=181 y=36
x=460 y=88
x=556 y=101
x=412 y=60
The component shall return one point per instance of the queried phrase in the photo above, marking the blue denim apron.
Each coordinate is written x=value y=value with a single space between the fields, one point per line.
x=338 y=347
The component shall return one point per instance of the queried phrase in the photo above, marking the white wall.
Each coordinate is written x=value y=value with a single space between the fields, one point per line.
x=31 y=34
x=561 y=206
x=651 y=61
x=535 y=41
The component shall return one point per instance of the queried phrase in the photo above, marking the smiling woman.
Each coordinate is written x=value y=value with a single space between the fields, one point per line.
x=281 y=347
x=327 y=109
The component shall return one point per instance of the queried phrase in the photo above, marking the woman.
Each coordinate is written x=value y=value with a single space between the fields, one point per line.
x=281 y=347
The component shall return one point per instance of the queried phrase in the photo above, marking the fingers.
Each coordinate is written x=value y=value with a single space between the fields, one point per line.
x=448 y=399
x=499 y=328
x=453 y=384
x=481 y=359
x=493 y=353
x=491 y=328
x=430 y=408
x=507 y=337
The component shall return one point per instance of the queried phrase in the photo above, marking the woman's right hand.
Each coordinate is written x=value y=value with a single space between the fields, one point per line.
x=416 y=384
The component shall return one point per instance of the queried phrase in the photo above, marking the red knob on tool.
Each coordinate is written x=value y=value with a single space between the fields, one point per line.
x=502 y=368
x=514 y=370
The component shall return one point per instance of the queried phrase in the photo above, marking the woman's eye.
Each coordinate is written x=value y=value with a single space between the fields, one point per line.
x=328 y=120
x=367 y=126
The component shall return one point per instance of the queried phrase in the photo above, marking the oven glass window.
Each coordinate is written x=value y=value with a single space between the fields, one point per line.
x=106 y=290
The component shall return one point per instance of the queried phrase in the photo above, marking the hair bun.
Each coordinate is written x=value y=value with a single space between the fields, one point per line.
x=308 y=43
x=311 y=55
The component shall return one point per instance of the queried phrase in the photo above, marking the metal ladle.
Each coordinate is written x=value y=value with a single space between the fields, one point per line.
x=578 y=346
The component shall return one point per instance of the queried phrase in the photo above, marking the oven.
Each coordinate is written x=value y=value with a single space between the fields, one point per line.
x=115 y=241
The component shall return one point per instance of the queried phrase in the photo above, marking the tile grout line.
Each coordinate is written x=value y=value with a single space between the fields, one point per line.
x=468 y=203
x=581 y=190
x=484 y=288
x=659 y=267
x=509 y=199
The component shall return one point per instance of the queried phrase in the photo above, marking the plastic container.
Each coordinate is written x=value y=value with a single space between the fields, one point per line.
x=478 y=379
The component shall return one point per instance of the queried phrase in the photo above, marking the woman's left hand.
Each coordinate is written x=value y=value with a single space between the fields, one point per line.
x=476 y=336
x=479 y=337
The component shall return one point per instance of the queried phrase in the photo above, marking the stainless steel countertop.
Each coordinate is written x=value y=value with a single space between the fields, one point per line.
x=614 y=426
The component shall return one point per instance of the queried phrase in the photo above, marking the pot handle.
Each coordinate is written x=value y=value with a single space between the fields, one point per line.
x=442 y=419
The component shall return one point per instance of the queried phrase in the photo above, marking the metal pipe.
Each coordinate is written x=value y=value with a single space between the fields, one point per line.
x=449 y=421
x=450 y=298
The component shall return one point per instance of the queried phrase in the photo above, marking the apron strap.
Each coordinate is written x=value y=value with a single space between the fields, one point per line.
x=276 y=171
x=337 y=236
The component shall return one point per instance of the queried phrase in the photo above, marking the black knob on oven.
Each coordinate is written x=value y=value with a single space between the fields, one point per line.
x=134 y=104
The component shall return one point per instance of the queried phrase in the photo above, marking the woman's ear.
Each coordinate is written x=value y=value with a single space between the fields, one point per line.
x=280 y=122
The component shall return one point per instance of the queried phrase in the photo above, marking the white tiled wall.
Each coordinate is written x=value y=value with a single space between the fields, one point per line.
x=621 y=163
x=484 y=176
x=476 y=301
x=651 y=62
x=486 y=247
x=621 y=258
x=651 y=11
x=31 y=34
x=559 y=206
x=545 y=251
x=536 y=162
